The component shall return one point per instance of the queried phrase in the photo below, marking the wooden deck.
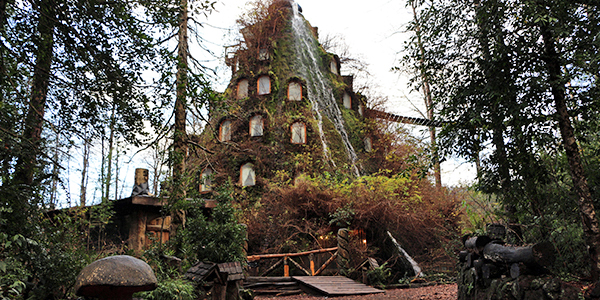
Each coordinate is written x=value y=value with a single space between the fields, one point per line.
x=336 y=285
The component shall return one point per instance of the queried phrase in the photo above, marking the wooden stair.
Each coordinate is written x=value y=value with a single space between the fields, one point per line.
x=273 y=286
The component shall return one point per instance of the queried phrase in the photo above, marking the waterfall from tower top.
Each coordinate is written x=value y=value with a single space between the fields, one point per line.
x=320 y=92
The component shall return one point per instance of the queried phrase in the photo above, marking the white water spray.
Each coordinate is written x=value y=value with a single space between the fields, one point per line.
x=320 y=92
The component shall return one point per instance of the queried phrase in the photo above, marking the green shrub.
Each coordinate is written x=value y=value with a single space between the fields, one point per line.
x=379 y=276
x=172 y=289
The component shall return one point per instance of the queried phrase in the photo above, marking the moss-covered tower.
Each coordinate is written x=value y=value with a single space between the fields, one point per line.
x=286 y=111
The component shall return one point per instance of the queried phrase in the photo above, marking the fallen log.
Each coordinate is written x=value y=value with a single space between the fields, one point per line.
x=539 y=254
x=477 y=243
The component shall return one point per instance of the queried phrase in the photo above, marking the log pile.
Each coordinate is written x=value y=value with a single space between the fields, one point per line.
x=492 y=258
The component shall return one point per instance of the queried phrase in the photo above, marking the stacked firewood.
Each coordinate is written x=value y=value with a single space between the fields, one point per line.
x=492 y=258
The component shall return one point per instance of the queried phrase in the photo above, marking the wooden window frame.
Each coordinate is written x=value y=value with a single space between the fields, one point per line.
x=242 y=173
x=258 y=85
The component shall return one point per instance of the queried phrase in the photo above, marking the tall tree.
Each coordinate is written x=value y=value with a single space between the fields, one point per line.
x=557 y=80
x=74 y=61
x=500 y=71
x=180 y=112
x=424 y=80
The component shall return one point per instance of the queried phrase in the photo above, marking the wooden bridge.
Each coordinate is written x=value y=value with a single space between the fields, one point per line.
x=378 y=114
x=311 y=283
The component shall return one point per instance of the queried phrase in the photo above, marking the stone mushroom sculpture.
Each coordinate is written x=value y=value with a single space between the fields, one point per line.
x=115 y=277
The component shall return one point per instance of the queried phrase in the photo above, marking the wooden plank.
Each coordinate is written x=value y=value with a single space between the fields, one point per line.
x=146 y=200
x=154 y=201
x=336 y=285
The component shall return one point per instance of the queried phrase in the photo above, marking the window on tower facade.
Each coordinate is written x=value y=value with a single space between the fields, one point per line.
x=256 y=125
x=225 y=131
x=242 y=89
x=347 y=101
x=263 y=54
x=264 y=85
x=247 y=175
x=206 y=180
x=295 y=91
x=368 y=144
x=334 y=67
x=298 y=133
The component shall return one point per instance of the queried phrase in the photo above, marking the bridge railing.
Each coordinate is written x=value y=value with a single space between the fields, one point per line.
x=287 y=258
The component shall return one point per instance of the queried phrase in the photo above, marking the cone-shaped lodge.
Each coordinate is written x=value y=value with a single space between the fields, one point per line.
x=287 y=109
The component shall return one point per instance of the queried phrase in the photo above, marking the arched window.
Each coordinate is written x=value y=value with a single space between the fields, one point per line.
x=247 y=175
x=242 y=89
x=256 y=125
x=225 y=131
x=206 y=180
x=264 y=85
x=347 y=101
x=295 y=91
x=368 y=144
x=298 y=133
x=334 y=67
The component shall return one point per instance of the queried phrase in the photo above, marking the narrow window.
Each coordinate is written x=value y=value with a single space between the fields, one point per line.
x=256 y=126
x=347 y=101
x=298 y=133
x=247 y=175
x=225 y=131
x=264 y=85
x=295 y=91
x=206 y=180
x=368 y=144
x=242 y=89
x=263 y=54
x=333 y=67
x=361 y=110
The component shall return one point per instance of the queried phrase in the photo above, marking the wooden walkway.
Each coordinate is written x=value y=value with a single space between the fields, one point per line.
x=336 y=285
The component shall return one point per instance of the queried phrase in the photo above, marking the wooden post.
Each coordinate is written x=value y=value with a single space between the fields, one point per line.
x=343 y=250
x=219 y=291
x=286 y=267
x=311 y=257
x=137 y=231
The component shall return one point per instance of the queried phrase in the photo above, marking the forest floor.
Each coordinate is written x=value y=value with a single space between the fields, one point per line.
x=436 y=292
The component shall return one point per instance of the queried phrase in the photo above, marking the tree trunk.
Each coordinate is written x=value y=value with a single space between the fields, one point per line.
x=84 y=175
x=111 y=140
x=34 y=121
x=55 y=166
x=428 y=102
x=2 y=50
x=180 y=136
x=585 y=202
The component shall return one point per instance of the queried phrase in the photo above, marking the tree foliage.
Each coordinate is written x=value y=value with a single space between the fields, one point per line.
x=496 y=70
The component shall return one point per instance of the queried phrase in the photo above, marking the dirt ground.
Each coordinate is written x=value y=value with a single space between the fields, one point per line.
x=437 y=292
